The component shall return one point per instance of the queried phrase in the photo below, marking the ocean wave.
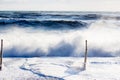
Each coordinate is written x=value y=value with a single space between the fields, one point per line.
x=36 y=15
x=50 y=24
x=57 y=15
x=102 y=36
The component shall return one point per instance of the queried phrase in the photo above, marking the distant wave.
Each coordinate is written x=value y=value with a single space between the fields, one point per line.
x=46 y=20
x=36 y=15
x=49 y=24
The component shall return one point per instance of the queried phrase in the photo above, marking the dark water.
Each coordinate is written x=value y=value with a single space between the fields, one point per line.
x=47 y=20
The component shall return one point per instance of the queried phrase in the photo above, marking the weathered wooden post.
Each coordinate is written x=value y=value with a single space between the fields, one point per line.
x=1 y=51
x=85 y=59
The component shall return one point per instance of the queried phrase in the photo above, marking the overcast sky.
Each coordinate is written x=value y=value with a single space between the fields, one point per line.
x=61 y=5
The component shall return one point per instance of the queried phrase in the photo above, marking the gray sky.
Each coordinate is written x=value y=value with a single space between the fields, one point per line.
x=61 y=5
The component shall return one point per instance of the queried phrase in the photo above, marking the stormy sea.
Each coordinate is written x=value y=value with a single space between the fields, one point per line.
x=59 y=34
x=50 y=45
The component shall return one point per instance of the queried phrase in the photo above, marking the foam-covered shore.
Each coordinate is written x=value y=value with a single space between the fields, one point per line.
x=58 y=68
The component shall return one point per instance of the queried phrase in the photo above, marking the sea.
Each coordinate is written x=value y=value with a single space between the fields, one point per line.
x=59 y=33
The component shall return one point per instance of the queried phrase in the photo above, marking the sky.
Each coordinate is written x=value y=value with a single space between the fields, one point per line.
x=60 y=5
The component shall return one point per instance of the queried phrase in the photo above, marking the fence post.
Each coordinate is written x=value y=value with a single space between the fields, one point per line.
x=1 y=51
x=85 y=59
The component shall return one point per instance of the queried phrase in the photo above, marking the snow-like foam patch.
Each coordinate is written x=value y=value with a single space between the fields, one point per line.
x=75 y=68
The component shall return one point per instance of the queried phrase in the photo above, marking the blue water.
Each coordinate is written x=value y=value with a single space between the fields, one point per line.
x=25 y=33
x=47 y=20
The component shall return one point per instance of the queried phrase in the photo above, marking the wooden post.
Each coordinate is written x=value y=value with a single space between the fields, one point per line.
x=1 y=54
x=85 y=59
